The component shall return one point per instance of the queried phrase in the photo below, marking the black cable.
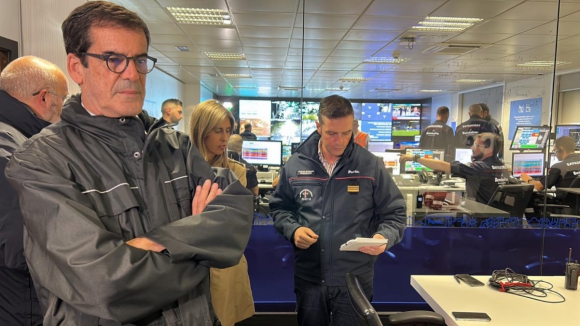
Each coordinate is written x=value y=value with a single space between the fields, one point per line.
x=519 y=284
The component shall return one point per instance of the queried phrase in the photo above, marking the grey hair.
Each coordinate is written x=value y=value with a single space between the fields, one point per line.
x=27 y=75
x=235 y=143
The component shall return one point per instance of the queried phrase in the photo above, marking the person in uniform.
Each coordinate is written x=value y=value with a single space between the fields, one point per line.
x=487 y=116
x=313 y=208
x=485 y=173
x=439 y=134
x=466 y=131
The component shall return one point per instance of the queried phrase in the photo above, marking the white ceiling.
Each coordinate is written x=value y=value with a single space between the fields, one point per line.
x=340 y=34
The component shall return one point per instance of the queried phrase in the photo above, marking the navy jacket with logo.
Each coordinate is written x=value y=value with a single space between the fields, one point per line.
x=308 y=196
x=468 y=129
x=481 y=177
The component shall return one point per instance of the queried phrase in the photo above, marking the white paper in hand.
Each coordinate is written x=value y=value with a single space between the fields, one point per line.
x=356 y=244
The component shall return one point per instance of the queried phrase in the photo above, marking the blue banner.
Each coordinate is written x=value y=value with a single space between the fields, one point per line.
x=525 y=113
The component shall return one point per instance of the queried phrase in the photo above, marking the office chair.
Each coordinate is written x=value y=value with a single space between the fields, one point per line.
x=564 y=202
x=368 y=316
x=512 y=198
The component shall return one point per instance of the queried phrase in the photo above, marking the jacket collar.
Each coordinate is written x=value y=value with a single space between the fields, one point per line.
x=117 y=133
x=310 y=147
x=20 y=116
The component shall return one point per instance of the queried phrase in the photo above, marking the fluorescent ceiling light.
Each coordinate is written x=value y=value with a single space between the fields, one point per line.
x=182 y=48
x=430 y=91
x=290 y=88
x=245 y=87
x=354 y=79
x=338 y=89
x=225 y=56
x=467 y=81
x=385 y=60
x=237 y=76
x=445 y=24
x=201 y=16
x=386 y=89
x=540 y=64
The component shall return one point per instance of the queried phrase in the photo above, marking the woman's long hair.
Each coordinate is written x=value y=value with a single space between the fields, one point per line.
x=205 y=117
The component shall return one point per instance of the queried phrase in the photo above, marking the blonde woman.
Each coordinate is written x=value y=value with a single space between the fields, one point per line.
x=210 y=128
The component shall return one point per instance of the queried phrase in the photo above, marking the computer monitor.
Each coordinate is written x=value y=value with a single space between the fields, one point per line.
x=436 y=154
x=262 y=152
x=463 y=155
x=571 y=131
x=407 y=144
x=530 y=137
x=391 y=161
x=529 y=163
x=380 y=146
x=553 y=159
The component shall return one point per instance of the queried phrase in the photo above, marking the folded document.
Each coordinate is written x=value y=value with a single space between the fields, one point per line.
x=356 y=244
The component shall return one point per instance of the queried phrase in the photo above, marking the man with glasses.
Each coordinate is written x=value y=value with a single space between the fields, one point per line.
x=482 y=176
x=29 y=101
x=107 y=193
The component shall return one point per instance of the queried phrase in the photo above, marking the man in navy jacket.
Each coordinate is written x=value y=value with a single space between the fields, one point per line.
x=331 y=191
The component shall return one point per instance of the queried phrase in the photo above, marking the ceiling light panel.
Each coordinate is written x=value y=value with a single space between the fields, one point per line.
x=353 y=79
x=237 y=75
x=540 y=64
x=338 y=89
x=200 y=16
x=430 y=91
x=445 y=24
x=225 y=56
x=385 y=60
x=472 y=81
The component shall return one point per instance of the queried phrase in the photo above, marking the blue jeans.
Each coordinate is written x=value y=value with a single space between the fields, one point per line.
x=320 y=305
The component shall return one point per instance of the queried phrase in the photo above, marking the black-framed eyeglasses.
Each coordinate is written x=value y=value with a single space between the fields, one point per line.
x=64 y=98
x=118 y=63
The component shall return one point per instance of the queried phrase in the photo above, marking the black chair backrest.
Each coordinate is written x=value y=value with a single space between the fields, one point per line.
x=367 y=315
x=569 y=178
x=512 y=198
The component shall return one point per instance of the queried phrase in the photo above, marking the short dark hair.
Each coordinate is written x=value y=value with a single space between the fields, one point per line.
x=76 y=27
x=247 y=125
x=442 y=110
x=333 y=107
x=567 y=143
x=170 y=101
x=484 y=107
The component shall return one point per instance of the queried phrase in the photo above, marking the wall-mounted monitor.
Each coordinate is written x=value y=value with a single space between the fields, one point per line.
x=463 y=155
x=288 y=131
x=571 y=131
x=391 y=161
x=377 y=130
x=380 y=146
x=262 y=152
x=435 y=154
x=406 y=111
x=529 y=163
x=256 y=112
x=376 y=120
x=406 y=128
x=530 y=138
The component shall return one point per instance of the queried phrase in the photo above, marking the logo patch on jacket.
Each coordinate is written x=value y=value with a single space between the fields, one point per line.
x=306 y=195
x=352 y=171
x=306 y=172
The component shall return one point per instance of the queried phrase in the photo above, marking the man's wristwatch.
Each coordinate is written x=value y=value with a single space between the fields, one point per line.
x=416 y=157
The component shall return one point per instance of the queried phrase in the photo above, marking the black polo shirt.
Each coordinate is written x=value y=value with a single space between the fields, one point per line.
x=482 y=177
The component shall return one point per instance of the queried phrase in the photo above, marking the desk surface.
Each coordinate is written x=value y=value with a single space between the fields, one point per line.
x=444 y=296
x=570 y=190
x=469 y=206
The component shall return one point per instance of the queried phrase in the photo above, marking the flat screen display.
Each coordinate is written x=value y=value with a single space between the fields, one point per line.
x=407 y=144
x=262 y=152
x=406 y=128
x=553 y=159
x=463 y=155
x=530 y=137
x=391 y=161
x=376 y=120
x=571 y=131
x=435 y=154
x=529 y=163
x=377 y=130
x=406 y=111
x=288 y=131
x=380 y=146
x=256 y=112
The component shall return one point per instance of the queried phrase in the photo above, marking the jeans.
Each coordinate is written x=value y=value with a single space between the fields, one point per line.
x=320 y=305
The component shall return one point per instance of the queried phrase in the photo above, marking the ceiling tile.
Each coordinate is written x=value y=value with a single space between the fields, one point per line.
x=367 y=35
x=478 y=9
x=342 y=7
x=397 y=8
x=319 y=34
x=266 y=42
x=261 y=19
x=263 y=5
x=386 y=24
x=326 y=21
x=546 y=11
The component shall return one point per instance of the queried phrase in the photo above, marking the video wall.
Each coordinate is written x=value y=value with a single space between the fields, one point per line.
x=293 y=121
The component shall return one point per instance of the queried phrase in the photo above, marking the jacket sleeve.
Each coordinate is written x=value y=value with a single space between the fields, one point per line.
x=390 y=207
x=76 y=258
x=283 y=208
x=11 y=242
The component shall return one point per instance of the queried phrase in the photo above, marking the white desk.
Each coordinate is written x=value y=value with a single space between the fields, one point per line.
x=444 y=296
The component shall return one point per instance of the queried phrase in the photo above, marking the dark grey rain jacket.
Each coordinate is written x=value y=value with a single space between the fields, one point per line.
x=87 y=185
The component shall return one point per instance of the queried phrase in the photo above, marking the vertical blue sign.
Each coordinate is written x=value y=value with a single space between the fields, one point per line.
x=525 y=113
